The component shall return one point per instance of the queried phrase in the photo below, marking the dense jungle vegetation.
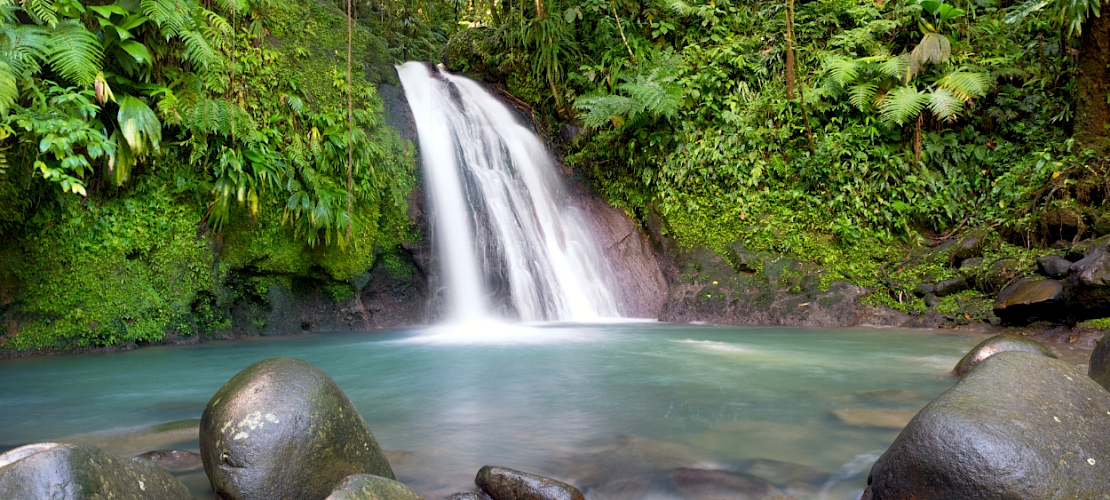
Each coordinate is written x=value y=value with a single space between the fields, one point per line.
x=162 y=158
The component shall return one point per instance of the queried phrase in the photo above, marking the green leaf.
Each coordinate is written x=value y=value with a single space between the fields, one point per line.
x=139 y=126
x=138 y=51
x=106 y=11
x=945 y=105
x=75 y=52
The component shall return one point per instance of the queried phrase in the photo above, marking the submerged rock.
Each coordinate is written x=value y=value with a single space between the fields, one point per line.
x=1030 y=300
x=81 y=471
x=282 y=428
x=370 y=487
x=995 y=345
x=175 y=461
x=874 y=417
x=503 y=483
x=702 y=484
x=1019 y=425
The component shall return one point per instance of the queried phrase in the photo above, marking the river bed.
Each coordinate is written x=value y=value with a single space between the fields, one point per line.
x=614 y=408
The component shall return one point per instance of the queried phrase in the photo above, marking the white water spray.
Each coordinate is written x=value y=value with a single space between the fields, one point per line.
x=509 y=242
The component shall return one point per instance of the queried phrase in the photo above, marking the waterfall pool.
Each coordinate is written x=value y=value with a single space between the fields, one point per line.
x=615 y=409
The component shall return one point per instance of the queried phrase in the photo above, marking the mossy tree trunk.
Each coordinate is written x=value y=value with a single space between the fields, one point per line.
x=1092 y=112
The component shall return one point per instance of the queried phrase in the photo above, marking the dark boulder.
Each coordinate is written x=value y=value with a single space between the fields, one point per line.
x=282 y=428
x=81 y=471
x=1053 y=266
x=949 y=287
x=923 y=289
x=370 y=487
x=995 y=345
x=503 y=483
x=702 y=484
x=931 y=300
x=1088 y=285
x=469 y=495
x=1019 y=425
x=972 y=263
x=1102 y=225
x=1029 y=300
x=1099 y=367
x=969 y=246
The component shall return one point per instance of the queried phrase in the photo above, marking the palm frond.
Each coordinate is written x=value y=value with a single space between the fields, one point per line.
x=75 y=52
x=902 y=104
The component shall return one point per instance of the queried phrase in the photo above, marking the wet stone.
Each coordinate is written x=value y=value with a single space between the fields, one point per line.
x=1053 y=266
x=503 y=483
x=281 y=415
x=371 y=487
x=995 y=345
x=1030 y=300
x=81 y=471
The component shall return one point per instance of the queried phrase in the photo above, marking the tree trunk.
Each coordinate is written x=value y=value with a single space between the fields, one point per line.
x=541 y=12
x=1092 y=113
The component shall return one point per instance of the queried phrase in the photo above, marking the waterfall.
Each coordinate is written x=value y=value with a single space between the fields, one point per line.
x=511 y=245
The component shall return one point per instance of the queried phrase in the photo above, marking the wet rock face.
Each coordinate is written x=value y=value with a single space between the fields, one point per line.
x=1030 y=300
x=282 y=428
x=1088 y=284
x=995 y=345
x=370 y=487
x=503 y=483
x=1053 y=266
x=81 y=471
x=1099 y=367
x=1019 y=425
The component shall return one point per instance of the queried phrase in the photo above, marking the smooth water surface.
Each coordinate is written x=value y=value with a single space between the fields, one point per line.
x=612 y=408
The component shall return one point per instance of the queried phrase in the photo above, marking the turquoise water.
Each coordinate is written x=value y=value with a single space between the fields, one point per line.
x=611 y=408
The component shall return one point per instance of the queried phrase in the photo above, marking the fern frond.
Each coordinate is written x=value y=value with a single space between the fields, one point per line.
x=75 y=52
x=966 y=85
x=41 y=11
x=171 y=16
x=902 y=104
x=602 y=110
x=197 y=50
x=841 y=70
x=861 y=95
x=933 y=48
x=9 y=91
x=945 y=105
x=895 y=67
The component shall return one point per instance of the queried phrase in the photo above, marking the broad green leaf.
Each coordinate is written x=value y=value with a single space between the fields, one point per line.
x=138 y=51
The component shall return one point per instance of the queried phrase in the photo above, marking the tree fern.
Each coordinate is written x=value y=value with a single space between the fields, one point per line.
x=9 y=91
x=74 y=52
x=903 y=104
x=842 y=71
x=896 y=67
x=197 y=50
x=171 y=16
x=27 y=46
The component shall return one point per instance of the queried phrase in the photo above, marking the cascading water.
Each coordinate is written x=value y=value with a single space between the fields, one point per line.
x=509 y=244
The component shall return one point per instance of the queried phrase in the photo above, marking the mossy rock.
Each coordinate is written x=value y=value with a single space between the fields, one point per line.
x=370 y=487
x=81 y=471
x=995 y=345
x=1019 y=425
x=282 y=428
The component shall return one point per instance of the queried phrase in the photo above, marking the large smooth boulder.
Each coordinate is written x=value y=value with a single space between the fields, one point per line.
x=81 y=471
x=282 y=428
x=995 y=345
x=370 y=487
x=503 y=483
x=1020 y=425
x=1030 y=300
x=1088 y=285
x=1099 y=367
